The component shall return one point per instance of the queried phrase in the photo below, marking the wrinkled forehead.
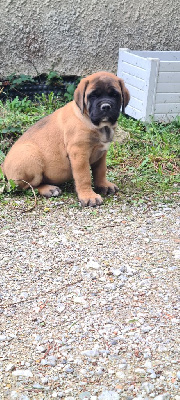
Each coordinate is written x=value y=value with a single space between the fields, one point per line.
x=103 y=84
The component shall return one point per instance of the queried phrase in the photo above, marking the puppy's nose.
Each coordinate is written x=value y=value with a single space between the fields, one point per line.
x=105 y=107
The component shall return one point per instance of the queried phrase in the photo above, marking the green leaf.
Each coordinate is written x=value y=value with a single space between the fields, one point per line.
x=12 y=184
x=2 y=157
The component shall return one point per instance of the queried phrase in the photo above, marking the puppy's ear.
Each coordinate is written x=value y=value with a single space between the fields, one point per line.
x=79 y=94
x=125 y=94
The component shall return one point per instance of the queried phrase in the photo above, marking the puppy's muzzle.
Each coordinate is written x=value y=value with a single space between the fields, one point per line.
x=105 y=106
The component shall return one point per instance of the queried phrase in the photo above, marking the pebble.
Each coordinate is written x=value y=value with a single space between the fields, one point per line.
x=148 y=387
x=153 y=375
x=108 y=395
x=37 y=385
x=140 y=371
x=68 y=370
x=148 y=364
x=146 y=329
x=44 y=379
x=13 y=394
x=22 y=372
x=3 y=338
x=93 y=264
x=91 y=353
x=130 y=271
x=41 y=349
x=10 y=367
x=50 y=360
x=85 y=395
x=79 y=299
x=178 y=375
x=60 y=308
x=120 y=374
x=122 y=366
x=24 y=397
x=164 y=396
x=116 y=272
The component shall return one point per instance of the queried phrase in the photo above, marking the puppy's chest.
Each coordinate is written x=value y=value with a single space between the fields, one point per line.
x=106 y=135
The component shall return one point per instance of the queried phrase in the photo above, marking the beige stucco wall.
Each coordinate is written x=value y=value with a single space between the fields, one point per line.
x=79 y=37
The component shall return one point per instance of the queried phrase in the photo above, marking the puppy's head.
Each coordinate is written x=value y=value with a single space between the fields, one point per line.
x=101 y=96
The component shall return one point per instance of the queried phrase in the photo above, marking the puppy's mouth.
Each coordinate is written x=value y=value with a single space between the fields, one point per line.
x=104 y=111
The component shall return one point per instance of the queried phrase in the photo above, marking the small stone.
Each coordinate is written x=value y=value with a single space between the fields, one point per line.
x=116 y=272
x=91 y=353
x=43 y=361
x=122 y=366
x=54 y=395
x=3 y=338
x=108 y=395
x=153 y=375
x=69 y=398
x=84 y=395
x=99 y=371
x=176 y=254
x=60 y=308
x=140 y=371
x=148 y=387
x=178 y=375
x=52 y=361
x=120 y=374
x=24 y=397
x=148 y=364
x=79 y=299
x=68 y=370
x=164 y=396
x=41 y=349
x=14 y=394
x=130 y=271
x=93 y=264
x=22 y=372
x=114 y=342
x=10 y=367
x=37 y=385
x=24 y=295
x=146 y=329
x=44 y=379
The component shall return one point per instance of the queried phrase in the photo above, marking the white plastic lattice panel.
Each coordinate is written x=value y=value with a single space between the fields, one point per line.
x=153 y=79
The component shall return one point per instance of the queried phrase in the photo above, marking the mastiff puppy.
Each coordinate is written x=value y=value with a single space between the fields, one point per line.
x=70 y=141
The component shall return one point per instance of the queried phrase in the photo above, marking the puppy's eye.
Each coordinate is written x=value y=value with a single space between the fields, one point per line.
x=97 y=93
x=113 y=93
x=94 y=94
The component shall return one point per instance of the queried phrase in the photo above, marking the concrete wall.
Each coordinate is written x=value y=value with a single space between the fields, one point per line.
x=77 y=37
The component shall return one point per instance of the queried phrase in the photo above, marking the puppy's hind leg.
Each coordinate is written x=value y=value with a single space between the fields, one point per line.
x=49 y=190
x=24 y=167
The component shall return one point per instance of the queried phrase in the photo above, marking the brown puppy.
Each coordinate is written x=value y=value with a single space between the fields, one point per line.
x=65 y=144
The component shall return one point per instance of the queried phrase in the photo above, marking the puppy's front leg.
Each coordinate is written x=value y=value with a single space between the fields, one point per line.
x=102 y=185
x=81 y=173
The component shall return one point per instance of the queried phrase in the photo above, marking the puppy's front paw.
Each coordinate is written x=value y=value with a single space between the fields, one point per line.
x=91 y=200
x=107 y=188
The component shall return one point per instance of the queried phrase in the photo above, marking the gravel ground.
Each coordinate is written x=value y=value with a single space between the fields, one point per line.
x=89 y=302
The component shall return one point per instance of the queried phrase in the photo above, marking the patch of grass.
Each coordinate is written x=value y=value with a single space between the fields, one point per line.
x=145 y=167
x=17 y=116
